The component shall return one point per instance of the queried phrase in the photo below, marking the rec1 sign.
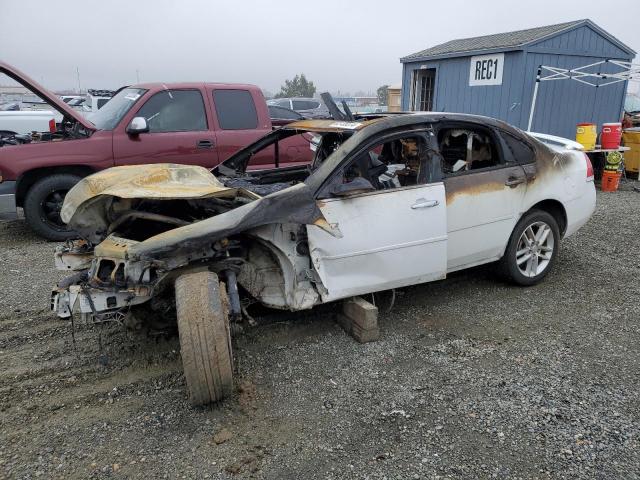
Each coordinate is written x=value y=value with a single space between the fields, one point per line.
x=486 y=70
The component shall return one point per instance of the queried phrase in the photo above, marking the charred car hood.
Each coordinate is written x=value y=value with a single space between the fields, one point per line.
x=87 y=204
x=45 y=94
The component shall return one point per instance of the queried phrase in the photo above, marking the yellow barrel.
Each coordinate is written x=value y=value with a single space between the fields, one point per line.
x=586 y=134
x=631 y=138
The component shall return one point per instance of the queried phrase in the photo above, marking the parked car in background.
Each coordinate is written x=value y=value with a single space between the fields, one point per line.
x=386 y=203
x=307 y=107
x=189 y=123
x=632 y=108
x=282 y=116
x=26 y=121
x=94 y=101
x=68 y=98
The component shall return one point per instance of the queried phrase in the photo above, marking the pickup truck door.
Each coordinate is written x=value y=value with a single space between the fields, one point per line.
x=180 y=131
x=240 y=118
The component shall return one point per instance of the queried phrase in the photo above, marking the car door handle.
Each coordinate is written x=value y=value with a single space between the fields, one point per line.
x=205 y=144
x=422 y=203
x=515 y=181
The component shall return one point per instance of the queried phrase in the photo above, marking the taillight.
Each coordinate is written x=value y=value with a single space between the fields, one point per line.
x=589 y=168
x=52 y=126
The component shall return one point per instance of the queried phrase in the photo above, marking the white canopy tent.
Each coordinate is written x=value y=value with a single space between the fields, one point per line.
x=628 y=72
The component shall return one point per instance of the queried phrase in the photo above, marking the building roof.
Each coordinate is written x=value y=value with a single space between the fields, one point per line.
x=507 y=40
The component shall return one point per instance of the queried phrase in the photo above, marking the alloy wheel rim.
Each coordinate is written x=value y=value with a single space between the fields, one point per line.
x=535 y=249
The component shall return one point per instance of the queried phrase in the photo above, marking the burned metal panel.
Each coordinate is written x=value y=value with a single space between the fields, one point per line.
x=277 y=270
x=292 y=205
x=86 y=205
x=481 y=213
x=329 y=125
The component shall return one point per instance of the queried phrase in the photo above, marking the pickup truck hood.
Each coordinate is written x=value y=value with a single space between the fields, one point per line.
x=45 y=94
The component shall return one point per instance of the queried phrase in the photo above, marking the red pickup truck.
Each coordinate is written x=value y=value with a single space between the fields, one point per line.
x=188 y=123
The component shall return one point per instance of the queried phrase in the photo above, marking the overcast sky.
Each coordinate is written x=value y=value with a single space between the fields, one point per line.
x=345 y=45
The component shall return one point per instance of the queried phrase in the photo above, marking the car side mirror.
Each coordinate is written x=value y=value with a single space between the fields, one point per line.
x=357 y=185
x=138 y=125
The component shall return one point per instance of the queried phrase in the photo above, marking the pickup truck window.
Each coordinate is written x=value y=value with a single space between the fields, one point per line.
x=110 y=115
x=235 y=109
x=174 y=111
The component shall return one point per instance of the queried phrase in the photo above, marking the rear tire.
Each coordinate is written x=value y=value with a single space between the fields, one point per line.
x=42 y=206
x=532 y=249
x=205 y=341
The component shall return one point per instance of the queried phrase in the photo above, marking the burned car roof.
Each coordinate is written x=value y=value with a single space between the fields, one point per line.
x=330 y=125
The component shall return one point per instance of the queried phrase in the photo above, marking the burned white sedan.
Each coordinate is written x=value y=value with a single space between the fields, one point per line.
x=387 y=202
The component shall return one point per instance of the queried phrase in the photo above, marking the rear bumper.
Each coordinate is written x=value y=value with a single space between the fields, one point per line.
x=8 y=201
x=579 y=210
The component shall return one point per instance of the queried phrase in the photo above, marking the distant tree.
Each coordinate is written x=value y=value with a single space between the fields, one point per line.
x=298 y=87
x=382 y=94
x=267 y=94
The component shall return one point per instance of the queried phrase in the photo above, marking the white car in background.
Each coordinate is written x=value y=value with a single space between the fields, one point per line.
x=27 y=121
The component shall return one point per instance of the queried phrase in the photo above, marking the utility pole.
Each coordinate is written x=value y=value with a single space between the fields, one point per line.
x=137 y=76
x=78 y=75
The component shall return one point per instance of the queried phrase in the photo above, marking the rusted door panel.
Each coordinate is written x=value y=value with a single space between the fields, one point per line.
x=389 y=239
x=482 y=210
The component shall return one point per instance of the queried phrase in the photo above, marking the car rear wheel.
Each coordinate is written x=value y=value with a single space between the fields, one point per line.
x=43 y=203
x=205 y=341
x=532 y=249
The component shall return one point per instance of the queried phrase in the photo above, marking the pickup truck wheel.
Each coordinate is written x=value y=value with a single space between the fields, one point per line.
x=532 y=249
x=205 y=341
x=43 y=203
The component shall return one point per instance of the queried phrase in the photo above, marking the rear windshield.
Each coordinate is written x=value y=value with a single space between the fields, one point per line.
x=112 y=112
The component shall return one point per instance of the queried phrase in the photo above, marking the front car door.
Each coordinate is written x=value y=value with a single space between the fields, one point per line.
x=485 y=190
x=179 y=132
x=390 y=236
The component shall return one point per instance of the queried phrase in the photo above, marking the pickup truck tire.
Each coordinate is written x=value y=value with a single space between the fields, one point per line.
x=532 y=248
x=205 y=341
x=42 y=206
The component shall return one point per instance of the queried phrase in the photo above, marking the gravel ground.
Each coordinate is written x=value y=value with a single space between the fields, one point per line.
x=472 y=378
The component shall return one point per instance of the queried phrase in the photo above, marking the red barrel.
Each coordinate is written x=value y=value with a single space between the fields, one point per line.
x=611 y=134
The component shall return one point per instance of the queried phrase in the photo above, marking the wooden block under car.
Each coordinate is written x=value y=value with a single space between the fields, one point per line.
x=363 y=313
x=359 y=319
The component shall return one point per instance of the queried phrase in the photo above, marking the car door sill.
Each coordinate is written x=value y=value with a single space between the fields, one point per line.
x=473 y=264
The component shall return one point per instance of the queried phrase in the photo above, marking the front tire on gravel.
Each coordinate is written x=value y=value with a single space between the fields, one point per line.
x=532 y=248
x=205 y=341
x=43 y=203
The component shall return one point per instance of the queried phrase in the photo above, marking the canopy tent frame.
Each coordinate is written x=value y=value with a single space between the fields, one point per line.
x=629 y=72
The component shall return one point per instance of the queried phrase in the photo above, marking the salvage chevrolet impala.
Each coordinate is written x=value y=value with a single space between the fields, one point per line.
x=387 y=202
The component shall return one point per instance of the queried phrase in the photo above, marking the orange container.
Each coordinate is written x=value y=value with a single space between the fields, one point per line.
x=610 y=181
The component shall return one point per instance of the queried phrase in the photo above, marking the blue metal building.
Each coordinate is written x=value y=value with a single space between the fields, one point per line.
x=495 y=75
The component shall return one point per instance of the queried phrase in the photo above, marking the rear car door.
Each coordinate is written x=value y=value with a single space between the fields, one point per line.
x=485 y=191
x=179 y=132
x=387 y=238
